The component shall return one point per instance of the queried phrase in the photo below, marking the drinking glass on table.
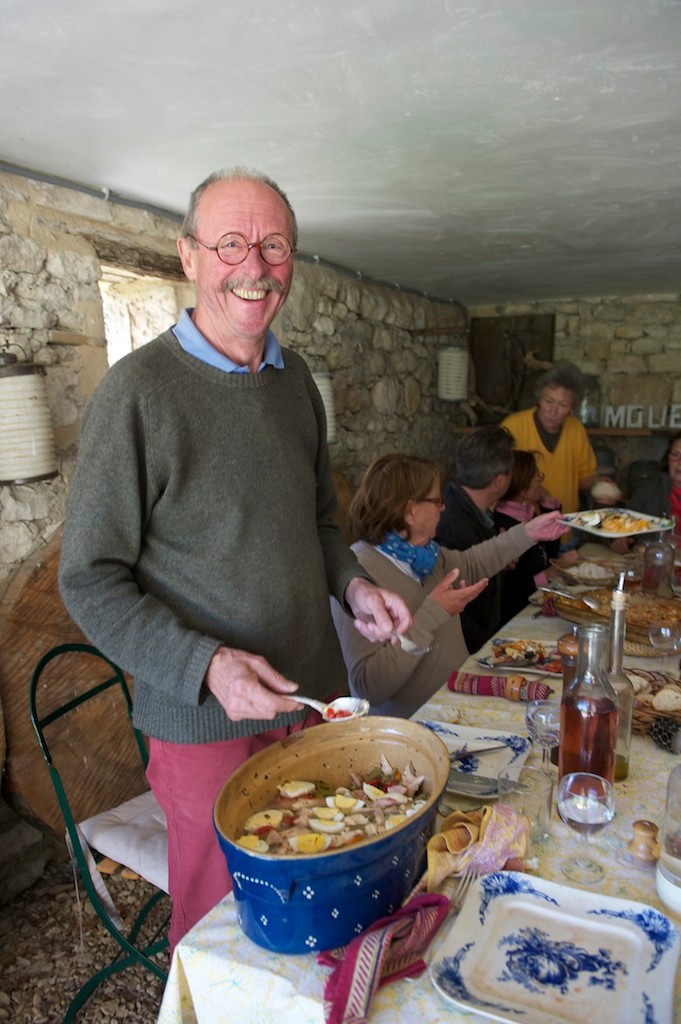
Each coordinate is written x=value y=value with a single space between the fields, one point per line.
x=586 y=803
x=666 y=636
x=542 y=719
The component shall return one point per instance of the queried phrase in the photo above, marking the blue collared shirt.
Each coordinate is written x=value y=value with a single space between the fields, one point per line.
x=194 y=343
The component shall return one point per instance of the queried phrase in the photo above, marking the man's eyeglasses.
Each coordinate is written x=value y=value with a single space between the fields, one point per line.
x=233 y=248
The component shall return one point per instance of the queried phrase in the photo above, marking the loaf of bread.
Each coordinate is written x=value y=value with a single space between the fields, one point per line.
x=668 y=699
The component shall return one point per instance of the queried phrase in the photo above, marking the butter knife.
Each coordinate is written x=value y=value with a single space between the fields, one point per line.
x=458 y=755
x=471 y=785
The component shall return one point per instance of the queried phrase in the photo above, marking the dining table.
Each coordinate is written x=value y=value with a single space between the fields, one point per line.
x=218 y=976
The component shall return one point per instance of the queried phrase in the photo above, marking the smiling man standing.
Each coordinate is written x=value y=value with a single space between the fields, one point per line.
x=199 y=548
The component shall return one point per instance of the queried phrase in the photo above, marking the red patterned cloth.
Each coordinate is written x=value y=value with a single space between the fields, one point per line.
x=389 y=949
x=511 y=687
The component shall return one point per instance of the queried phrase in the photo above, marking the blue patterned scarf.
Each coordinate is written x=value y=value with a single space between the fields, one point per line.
x=421 y=557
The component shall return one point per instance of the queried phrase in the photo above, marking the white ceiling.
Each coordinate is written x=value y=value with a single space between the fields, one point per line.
x=481 y=150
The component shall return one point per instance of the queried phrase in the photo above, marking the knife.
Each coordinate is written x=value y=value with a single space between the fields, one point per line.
x=458 y=755
x=471 y=785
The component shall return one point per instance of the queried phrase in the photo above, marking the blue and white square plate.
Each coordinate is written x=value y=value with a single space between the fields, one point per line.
x=526 y=950
x=464 y=737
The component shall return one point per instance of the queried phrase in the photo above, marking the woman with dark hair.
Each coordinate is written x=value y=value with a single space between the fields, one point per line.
x=662 y=496
x=393 y=518
x=524 y=497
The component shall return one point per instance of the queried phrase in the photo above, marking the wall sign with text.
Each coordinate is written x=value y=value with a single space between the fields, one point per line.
x=650 y=417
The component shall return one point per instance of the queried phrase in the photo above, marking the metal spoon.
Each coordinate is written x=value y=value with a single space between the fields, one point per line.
x=342 y=709
x=588 y=601
x=409 y=647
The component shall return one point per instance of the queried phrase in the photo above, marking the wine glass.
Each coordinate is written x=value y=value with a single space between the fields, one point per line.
x=666 y=636
x=586 y=803
x=542 y=719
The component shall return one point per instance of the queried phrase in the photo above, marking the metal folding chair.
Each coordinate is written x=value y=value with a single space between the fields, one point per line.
x=112 y=690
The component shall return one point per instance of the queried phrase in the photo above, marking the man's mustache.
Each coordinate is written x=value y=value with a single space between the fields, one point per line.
x=244 y=283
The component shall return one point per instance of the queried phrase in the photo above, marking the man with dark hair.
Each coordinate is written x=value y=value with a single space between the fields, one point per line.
x=483 y=471
x=564 y=452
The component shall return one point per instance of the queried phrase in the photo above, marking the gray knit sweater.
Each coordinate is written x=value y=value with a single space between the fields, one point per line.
x=201 y=513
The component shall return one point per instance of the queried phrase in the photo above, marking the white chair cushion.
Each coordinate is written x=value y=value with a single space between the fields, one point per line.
x=134 y=834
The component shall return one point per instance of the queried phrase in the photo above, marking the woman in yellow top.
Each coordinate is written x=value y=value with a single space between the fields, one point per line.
x=564 y=452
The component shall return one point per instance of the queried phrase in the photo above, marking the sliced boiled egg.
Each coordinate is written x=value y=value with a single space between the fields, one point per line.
x=254 y=844
x=296 y=788
x=373 y=792
x=309 y=842
x=327 y=813
x=270 y=818
x=393 y=820
x=329 y=827
x=347 y=804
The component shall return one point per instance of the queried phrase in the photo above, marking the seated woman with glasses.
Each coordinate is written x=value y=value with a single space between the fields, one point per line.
x=524 y=498
x=662 y=495
x=393 y=519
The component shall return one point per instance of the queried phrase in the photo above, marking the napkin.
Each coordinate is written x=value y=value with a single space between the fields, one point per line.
x=389 y=949
x=480 y=841
x=511 y=687
x=489 y=839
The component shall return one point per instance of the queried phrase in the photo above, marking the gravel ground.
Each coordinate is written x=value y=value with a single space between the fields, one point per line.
x=42 y=964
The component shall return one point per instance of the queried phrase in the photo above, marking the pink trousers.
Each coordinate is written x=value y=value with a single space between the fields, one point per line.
x=185 y=779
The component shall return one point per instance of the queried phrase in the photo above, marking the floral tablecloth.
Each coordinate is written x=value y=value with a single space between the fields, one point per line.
x=218 y=976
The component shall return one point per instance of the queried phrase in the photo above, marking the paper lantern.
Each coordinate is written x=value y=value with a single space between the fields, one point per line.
x=452 y=377
x=27 y=449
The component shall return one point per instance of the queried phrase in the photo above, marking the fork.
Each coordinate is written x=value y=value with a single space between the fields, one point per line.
x=456 y=889
x=409 y=647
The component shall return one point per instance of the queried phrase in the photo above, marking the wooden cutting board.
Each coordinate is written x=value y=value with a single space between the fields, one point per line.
x=94 y=748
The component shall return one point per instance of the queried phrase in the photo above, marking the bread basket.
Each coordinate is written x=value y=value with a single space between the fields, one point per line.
x=644 y=714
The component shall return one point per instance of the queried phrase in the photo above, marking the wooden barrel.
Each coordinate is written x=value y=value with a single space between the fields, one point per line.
x=93 y=748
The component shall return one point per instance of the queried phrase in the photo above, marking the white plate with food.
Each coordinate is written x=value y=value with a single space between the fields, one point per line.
x=513 y=750
x=527 y=950
x=615 y=522
x=526 y=656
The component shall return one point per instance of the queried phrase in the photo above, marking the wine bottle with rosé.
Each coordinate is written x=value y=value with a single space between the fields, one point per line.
x=589 y=710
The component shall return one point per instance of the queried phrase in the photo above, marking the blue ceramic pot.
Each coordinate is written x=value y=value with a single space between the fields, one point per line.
x=300 y=904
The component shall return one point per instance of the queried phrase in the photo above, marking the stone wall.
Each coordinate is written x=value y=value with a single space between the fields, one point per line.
x=380 y=344
x=631 y=346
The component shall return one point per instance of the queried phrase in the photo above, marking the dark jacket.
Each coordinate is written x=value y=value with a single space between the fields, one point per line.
x=462 y=525
x=652 y=498
x=518 y=583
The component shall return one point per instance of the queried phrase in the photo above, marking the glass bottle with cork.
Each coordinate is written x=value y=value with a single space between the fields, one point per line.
x=567 y=650
x=588 y=710
x=619 y=681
